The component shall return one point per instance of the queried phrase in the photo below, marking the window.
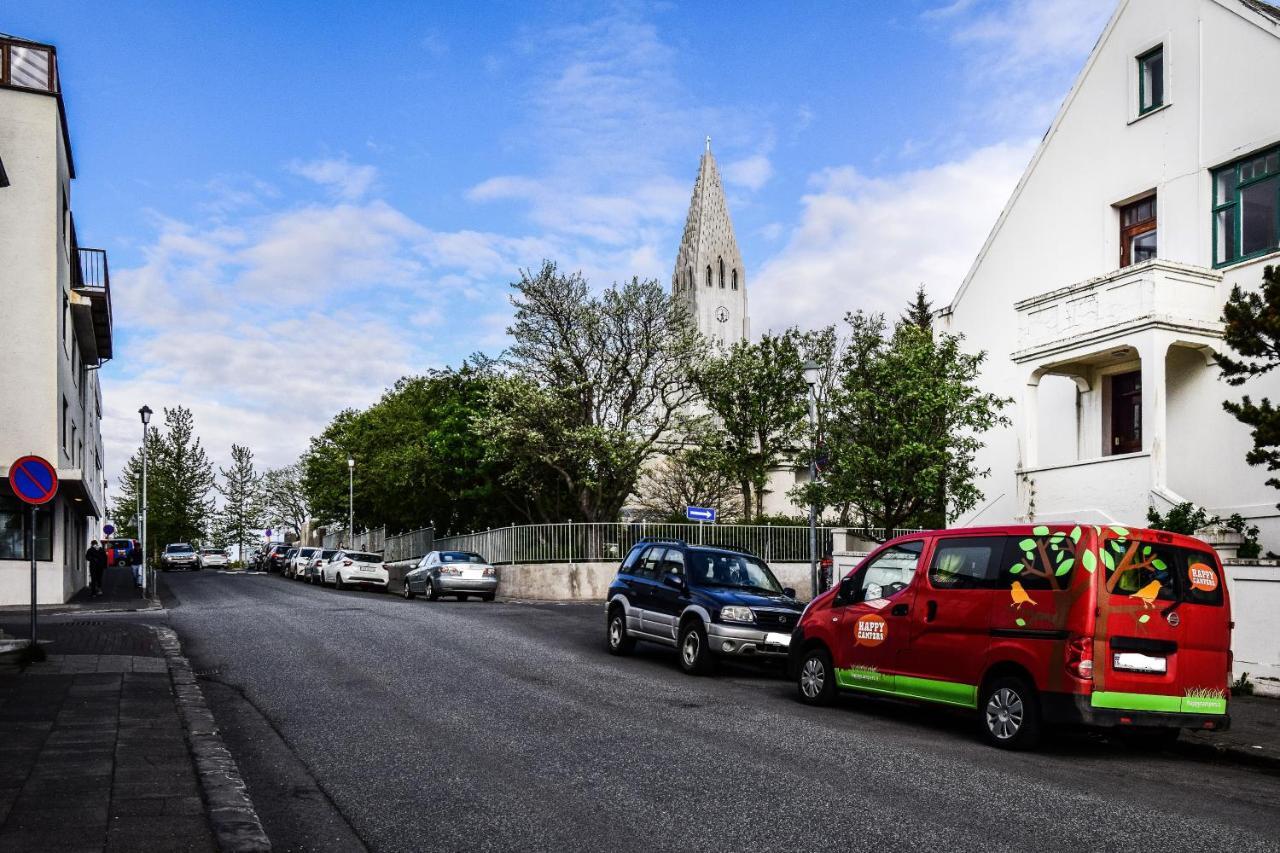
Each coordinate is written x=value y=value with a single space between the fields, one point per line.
x=648 y=566
x=1155 y=572
x=966 y=563
x=1126 y=413
x=708 y=275
x=735 y=279
x=889 y=573
x=1151 y=80
x=30 y=68
x=672 y=563
x=1246 y=205
x=14 y=516
x=721 y=262
x=1138 y=232
x=66 y=432
x=66 y=323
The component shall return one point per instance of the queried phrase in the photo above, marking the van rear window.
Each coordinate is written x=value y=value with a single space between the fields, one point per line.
x=1154 y=571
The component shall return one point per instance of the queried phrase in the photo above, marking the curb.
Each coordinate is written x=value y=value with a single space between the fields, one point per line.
x=1228 y=753
x=232 y=816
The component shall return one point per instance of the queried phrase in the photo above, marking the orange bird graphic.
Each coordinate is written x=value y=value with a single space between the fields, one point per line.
x=1148 y=594
x=1020 y=596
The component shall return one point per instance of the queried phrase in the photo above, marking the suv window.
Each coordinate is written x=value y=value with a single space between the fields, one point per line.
x=648 y=566
x=969 y=562
x=672 y=562
x=629 y=565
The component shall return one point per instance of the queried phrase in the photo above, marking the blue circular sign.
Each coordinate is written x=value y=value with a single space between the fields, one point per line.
x=33 y=480
x=108 y=529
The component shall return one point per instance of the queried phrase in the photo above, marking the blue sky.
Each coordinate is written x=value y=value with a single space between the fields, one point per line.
x=303 y=201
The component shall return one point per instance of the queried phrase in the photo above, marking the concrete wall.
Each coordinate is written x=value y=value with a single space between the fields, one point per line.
x=1255 y=603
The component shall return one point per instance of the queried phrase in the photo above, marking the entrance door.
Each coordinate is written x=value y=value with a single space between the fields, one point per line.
x=1126 y=412
x=872 y=623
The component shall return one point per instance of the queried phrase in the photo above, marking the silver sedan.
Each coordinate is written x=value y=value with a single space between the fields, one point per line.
x=458 y=573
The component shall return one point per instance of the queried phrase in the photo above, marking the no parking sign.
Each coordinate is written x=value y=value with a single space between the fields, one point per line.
x=35 y=482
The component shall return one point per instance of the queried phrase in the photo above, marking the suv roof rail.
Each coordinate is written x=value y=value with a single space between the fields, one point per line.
x=670 y=539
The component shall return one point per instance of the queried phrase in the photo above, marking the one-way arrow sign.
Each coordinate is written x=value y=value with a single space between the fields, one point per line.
x=699 y=513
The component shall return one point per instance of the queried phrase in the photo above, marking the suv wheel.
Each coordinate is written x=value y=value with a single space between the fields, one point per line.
x=1010 y=713
x=619 y=642
x=695 y=651
x=816 y=681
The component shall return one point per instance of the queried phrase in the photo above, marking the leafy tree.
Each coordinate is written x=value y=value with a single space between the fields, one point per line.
x=758 y=396
x=124 y=508
x=244 y=505
x=595 y=388
x=904 y=422
x=1252 y=330
x=684 y=479
x=1185 y=518
x=285 y=498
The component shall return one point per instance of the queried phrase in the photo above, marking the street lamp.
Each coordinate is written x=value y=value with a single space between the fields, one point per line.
x=812 y=373
x=351 y=501
x=148 y=580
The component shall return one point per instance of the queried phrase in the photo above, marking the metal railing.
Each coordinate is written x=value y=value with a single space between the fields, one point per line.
x=408 y=546
x=578 y=542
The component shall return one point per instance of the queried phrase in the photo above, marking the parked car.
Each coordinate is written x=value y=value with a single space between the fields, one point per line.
x=355 y=568
x=314 y=570
x=120 y=552
x=1028 y=626
x=275 y=559
x=707 y=602
x=457 y=573
x=299 y=561
x=212 y=558
x=179 y=555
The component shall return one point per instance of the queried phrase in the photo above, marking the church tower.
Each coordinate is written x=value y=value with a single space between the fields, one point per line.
x=709 y=278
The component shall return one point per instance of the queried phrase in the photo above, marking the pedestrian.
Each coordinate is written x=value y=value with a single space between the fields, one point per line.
x=97 y=559
x=135 y=561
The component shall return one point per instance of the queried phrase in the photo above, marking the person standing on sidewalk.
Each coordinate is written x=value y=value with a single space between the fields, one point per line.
x=97 y=559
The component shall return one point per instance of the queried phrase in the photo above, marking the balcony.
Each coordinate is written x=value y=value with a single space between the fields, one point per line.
x=91 y=286
x=1155 y=294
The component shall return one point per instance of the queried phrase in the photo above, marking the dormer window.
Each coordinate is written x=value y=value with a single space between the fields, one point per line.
x=1151 y=80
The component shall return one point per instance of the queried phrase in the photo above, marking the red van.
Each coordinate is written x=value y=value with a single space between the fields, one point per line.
x=1030 y=625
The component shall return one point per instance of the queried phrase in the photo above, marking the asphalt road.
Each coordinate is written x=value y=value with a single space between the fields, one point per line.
x=361 y=718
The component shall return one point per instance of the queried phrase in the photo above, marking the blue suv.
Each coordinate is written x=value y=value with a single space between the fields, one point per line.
x=706 y=602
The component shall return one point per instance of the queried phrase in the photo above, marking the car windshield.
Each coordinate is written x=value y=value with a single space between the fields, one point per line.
x=714 y=568
x=307 y=552
x=179 y=549
x=363 y=558
x=214 y=551
x=460 y=557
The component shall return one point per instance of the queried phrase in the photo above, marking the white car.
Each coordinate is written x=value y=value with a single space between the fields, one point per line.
x=355 y=568
x=298 y=563
x=213 y=558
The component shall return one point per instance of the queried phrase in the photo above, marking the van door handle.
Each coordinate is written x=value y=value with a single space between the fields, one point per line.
x=898 y=610
x=931 y=611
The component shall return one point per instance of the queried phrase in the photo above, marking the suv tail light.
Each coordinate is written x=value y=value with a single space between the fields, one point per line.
x=1079 y=657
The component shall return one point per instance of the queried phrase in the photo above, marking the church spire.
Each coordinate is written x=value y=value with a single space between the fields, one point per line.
x=709 y=276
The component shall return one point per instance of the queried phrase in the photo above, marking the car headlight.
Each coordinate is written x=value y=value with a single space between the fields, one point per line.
x=737 y=614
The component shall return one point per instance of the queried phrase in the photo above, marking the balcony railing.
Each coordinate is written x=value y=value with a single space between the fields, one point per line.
x=91 y=277
x=1154 y=292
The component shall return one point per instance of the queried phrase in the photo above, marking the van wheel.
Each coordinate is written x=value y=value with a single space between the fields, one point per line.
x=695 y=651
x=1010 y=713
x=619 y=642
x=816 y=681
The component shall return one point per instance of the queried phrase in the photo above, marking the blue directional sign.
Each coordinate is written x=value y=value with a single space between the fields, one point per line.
x=33 y=480
x=700 y=513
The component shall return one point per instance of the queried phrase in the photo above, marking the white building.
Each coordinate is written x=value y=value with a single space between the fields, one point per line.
x=1098 y=294
x=55 y=312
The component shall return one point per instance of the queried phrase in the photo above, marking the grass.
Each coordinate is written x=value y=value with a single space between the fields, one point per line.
x=1204 y=693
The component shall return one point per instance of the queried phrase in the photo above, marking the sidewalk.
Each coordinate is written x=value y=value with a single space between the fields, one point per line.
x=1254 y=736
x=106 y=747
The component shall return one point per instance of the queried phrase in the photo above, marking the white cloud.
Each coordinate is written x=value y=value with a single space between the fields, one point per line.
x=866 y=243
x=752 y=172
x=345 y=179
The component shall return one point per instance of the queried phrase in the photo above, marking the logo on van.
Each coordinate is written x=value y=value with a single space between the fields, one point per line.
x=870 y=630
x=1202 y=577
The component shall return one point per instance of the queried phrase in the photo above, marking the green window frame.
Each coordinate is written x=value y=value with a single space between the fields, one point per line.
x=1156 y=99
x=1257 y=175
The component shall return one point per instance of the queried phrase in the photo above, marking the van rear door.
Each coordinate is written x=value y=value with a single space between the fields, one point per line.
x=1163 y=635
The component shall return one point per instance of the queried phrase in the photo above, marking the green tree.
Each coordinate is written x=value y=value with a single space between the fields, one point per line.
x=1252 y=331
x=124 y=507
x=757 y=394
x=595 y=388
x=243 y=503
x=285 y=498
x=904 y=420
x=920 y=312
x=684 y=479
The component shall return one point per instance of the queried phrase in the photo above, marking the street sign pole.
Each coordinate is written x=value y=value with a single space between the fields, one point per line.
x=34 y=482
x=31 y=551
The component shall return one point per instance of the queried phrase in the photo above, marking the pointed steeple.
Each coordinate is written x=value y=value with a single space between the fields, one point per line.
x=709 y=276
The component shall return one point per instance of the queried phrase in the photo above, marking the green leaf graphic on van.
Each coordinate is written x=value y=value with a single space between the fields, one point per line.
x=1015 y=568
x=1089 y=561
x=1040 y=531
x=1020 y=622
x=1146 y=550
x=1109 y=561
x=1119 y=531
x=1143 y=619
x=1065 y=567
x=1027 y=545
x=1118 y=545
x=1158 y=564
x=1075 y=534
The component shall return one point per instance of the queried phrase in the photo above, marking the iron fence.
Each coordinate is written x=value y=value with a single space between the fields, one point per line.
x=408 y=546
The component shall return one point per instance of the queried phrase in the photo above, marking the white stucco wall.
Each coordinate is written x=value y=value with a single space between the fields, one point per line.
x=1061 y=227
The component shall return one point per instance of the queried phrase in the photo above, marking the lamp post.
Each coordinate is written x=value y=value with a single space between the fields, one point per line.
x=812 y=372
x=148 y=580
x=351 y=501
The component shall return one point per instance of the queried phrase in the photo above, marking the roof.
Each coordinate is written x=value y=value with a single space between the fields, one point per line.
x=1262 y=8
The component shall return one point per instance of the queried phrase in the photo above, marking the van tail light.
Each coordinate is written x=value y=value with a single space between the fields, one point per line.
x=1079 y=657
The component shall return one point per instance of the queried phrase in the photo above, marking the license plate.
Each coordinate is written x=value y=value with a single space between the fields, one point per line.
x=1138 y=662
x=772 y=639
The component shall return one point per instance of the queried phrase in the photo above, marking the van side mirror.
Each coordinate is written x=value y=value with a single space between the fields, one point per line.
x=789 y=591
x=848 y=591
x=673 y=580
